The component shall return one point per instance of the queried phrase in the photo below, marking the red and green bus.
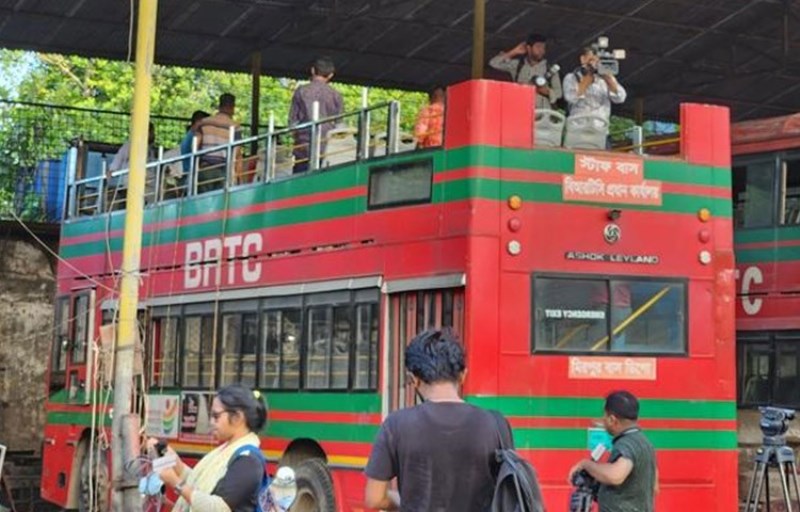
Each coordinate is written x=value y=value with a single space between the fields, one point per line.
x=766 y=206
x=568 y=273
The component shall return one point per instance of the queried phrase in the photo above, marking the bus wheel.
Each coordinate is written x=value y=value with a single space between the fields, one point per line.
x=97 y=490
x=314 y=487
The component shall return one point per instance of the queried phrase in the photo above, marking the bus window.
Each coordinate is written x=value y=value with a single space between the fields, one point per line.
x=198 y=351
x=80 y=329
x=280 y=366
x=366 y=363
x=768 y=367
x=239 y=343
x=617 y=315
x=58 y=363
x=340 y=350
x=754 y=194
x=791 y=193
x=318 y=353
x=165 y=340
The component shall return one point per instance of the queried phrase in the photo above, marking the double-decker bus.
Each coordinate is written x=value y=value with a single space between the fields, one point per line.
x=766 y=206
x=568 y=273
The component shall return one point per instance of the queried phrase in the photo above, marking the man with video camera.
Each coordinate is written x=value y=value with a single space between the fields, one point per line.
x=526 y=64
x=629 y=480
x=592 y=87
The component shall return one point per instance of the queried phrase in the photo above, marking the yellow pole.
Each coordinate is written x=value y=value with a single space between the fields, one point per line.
x=478 y=37
x=123 y=443
x=636 y=314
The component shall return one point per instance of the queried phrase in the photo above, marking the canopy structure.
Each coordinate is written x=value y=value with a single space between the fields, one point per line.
x=740 y=53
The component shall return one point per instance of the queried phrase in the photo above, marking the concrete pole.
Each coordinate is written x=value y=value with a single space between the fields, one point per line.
x=124 y=442
x=478 y=38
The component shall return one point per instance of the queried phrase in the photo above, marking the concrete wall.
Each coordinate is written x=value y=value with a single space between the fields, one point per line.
x=27 y=285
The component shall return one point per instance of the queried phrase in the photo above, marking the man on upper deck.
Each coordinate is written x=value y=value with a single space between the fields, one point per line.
x=526 y=64
x=215 y=131
x=590 y=90
x=330 y=104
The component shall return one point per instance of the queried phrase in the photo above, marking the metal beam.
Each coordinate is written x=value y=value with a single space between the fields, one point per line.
x=478 y=37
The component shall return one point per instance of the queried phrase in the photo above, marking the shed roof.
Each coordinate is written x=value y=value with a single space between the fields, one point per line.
x=740 y=53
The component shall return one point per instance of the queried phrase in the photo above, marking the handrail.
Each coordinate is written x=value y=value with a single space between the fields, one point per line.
x=88 y=196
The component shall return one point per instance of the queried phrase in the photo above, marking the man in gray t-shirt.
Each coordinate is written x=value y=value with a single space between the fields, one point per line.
x=629 y=480
x=526 y=63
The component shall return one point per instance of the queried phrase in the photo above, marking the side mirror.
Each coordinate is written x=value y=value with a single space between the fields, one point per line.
x=282 y=490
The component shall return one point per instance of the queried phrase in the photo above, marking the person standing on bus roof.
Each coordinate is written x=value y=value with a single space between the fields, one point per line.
x=525 y=62
x=330 y=104
x=230 y=476
x=629 y=480
x=589 y=92
x=429 y=128
x=442 y=451
x=215 y=131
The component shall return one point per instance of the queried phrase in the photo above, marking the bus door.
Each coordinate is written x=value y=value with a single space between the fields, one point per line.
x=71 y=361
x=411 y=312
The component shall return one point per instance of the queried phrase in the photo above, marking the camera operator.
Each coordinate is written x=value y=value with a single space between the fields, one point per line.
x=526 y=63
x=629 y=480
x=589 y=92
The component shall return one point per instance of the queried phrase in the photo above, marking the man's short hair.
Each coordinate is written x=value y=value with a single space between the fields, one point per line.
x=588 y=49
x=323 y=66
x=198 y=115
x=623 y=404
x=535 y=38
x=435 y=356
x=227 y=100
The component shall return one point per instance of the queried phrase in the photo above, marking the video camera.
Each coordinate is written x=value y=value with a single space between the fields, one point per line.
x=586 y=487
x=774 y=423
x=541 y=81
x=609 y=59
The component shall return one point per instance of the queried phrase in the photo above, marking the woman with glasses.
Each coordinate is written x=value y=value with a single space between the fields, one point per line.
x=229 y=477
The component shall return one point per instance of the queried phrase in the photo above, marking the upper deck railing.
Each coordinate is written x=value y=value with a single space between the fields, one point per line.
x=323 y=142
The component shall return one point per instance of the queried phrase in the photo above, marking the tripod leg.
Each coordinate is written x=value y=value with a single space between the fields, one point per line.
x=792 y=467
x=762 y=475
x=752 y=489
x=785 y=485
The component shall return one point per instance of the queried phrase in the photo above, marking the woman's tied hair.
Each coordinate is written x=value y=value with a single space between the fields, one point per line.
x=435 y=356
x=248 y=402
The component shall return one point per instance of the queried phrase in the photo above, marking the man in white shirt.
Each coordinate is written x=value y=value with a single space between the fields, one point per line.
x=589 y=92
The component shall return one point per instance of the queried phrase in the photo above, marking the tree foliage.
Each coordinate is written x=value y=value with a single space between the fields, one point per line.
x=31 y=133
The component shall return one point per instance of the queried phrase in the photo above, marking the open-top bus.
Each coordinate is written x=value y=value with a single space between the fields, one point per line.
x=567 y=273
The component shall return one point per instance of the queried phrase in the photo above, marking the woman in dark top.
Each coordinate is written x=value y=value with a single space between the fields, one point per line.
x=221 y=482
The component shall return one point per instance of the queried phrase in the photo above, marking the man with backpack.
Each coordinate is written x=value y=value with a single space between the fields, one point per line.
x=443 y=452
x=526 y=64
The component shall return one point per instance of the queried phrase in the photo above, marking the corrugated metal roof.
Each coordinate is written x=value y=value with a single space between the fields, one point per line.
x=736 y=52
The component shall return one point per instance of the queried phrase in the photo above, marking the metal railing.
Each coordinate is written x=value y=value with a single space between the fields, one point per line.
x=277 y=154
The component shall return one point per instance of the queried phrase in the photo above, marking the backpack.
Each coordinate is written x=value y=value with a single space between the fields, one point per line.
x=264 y=499
x=516 y=488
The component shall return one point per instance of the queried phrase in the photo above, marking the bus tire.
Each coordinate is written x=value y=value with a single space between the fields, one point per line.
x=314 y=487
x=100 y=479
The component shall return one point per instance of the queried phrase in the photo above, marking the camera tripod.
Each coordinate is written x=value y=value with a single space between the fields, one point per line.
x=773 y=453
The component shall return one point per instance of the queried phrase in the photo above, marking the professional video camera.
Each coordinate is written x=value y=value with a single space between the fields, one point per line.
x=585 y=492
x=609 y=59
x=586 y=487
x=541 y=81
x=774 y=423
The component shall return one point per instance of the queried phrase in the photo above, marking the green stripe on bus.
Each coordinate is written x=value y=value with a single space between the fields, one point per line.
x=672 y=439
x=357 y=175
x=767 y=255
x=442 y=193
x=323 y=431
x=771 y=234
x=566 y=407
x=562 y=162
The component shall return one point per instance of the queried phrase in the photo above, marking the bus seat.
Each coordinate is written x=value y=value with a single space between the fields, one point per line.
x=586 y=131
x=407 y=143
x=548 y=126
x=341 y=146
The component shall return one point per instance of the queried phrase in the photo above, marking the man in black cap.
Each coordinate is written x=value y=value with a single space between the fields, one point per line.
x=526 y=65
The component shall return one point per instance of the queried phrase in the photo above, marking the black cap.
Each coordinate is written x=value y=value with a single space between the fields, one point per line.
x=535 y=38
